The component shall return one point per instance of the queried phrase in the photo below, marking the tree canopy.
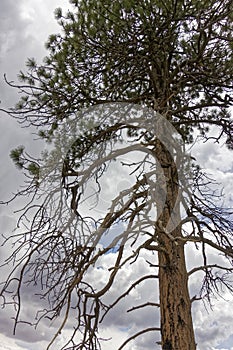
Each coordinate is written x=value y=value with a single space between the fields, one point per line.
x=148 y=52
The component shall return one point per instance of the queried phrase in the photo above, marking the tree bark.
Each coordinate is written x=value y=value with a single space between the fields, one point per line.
x=175 y=305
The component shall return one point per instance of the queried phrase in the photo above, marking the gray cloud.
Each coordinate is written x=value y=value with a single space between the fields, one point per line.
x=24 y=27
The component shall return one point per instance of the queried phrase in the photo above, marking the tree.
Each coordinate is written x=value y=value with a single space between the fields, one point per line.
x=125 y=77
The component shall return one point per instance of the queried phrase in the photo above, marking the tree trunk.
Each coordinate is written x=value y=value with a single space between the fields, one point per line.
x=175 y=306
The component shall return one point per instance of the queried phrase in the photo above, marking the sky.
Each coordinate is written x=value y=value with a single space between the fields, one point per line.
x=24 y=28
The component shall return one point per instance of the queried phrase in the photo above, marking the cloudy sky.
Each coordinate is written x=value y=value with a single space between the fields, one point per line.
x=24 y=27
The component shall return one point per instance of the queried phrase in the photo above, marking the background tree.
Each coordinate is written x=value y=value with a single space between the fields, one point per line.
x=174 y=58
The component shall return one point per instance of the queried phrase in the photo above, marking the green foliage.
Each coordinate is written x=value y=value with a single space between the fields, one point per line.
x=173 y=56
x=22 y=161
x=16 y=156
x=89 y=142
x=34 y=169
x=58 y=13
x=31 y=63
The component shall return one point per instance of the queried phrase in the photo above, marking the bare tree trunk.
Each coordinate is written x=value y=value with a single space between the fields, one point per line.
x=175 y=306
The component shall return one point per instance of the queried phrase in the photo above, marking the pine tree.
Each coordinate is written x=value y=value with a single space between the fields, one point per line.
x=115 y=69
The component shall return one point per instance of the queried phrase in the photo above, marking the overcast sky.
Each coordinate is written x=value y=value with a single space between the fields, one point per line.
x=24 y=28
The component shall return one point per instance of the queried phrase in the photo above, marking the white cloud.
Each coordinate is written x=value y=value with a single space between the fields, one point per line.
x=8 y=343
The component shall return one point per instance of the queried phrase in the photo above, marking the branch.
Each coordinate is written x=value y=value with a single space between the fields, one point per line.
x=127 y=292
x=143 y=305
x=205 y=267
x=152 y=329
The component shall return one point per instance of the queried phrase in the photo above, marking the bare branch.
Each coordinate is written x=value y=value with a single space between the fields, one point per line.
x=152 y=329
x=143 y=305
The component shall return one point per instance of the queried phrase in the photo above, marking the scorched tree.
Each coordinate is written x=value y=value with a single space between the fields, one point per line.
x=126 y=85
